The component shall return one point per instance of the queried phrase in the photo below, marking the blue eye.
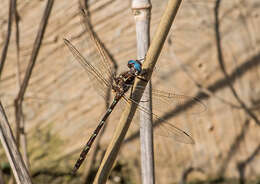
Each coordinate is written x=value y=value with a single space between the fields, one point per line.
x=131 y=62
x=136 y=64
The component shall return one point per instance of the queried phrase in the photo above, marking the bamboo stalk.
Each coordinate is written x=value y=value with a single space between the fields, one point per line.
x=142 y=13
x=20 y=172
x=150 y=61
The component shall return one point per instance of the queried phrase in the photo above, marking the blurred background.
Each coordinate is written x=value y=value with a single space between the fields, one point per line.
x=211 y=52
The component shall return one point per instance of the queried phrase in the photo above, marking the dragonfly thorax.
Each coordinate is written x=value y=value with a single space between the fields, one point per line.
x=123 y=82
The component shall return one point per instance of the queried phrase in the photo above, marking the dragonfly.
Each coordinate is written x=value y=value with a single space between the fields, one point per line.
x=100 y=72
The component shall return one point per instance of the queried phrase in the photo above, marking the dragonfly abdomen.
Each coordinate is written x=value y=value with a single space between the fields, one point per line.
x=87 y=147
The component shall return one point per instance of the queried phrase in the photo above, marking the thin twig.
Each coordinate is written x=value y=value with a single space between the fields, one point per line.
x=17 y=42
x=20 y=172
x=150 y=61
x=9 y=30
x=18 y=79
x=19 y=99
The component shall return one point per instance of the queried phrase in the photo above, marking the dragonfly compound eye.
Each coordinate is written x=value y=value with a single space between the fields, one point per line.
x=136 y=64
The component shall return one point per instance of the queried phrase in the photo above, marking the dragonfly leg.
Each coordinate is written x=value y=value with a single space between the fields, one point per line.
x=131 y=92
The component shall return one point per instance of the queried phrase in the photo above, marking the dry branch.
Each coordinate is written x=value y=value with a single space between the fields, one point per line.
x=18 y=167
x=7 y=39
x=19 y=99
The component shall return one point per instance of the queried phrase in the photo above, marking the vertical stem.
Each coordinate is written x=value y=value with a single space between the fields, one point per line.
x=141 y=10
x=20 y=124
x=23 y=140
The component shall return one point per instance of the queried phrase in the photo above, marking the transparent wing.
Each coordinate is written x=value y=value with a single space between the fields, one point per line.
x=97 y=79
x=104 y=62
x=164 y=128
x=175 y=102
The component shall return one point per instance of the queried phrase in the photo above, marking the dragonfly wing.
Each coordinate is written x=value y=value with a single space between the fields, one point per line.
x=105 y=61
x=97 y=79
x=175 y=102
x=164 y=128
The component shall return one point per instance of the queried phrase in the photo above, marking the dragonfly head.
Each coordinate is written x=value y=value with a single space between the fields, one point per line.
x=135 y=65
